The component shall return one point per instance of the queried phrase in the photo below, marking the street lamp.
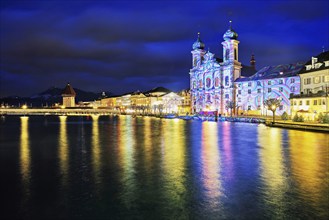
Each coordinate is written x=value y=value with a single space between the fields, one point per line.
x=272 y=104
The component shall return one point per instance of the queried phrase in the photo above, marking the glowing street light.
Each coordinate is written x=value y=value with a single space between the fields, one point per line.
x=272 y=104
x=24 y=106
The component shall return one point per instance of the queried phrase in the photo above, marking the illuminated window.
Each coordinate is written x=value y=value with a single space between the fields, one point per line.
x=269 y=90
x=208 y=81
x=317 y=79
x=315 y=102
x=216 y=81
x=300 y=102
x=249 y=91
x=307 y=102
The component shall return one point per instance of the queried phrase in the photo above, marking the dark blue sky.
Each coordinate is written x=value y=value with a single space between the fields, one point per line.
x=128 y=45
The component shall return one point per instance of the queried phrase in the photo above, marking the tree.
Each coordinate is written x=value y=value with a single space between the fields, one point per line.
x=272 y=104
x=284 y=116
x=230 y=105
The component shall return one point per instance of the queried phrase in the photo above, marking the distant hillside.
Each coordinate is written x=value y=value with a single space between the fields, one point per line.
x=51 y=96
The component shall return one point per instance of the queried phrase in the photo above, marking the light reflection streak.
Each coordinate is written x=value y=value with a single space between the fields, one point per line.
x=63 y=148
x=227 y=151
x=126 y=140
x=272 y=168
x=211 y=163
x=25 y=157
x=311 y=176
x=95 y=149
x=173 y=162
x=147 y=143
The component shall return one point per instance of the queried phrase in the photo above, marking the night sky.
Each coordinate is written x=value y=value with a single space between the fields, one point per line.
x=138 y=45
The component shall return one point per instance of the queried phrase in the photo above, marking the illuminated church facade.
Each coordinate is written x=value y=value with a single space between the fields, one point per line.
x=215 y=82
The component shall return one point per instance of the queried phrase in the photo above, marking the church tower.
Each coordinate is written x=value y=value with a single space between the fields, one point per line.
x=231 y=66
x=198 y=52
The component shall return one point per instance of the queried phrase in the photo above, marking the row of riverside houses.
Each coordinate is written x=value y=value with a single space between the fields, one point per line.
x=156 y=102
x=302 y=87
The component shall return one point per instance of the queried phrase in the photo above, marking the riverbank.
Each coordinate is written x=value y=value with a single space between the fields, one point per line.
x=304 y=126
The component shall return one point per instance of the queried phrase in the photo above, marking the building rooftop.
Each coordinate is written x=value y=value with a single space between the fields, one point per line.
x=316 y=63
x=271 y=72
x=68 y=91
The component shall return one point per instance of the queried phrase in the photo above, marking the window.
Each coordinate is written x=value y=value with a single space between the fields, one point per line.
x=258 y=107
x=281 y=81
x=258 y=83
x=307 y=102
x=280 y=107
x=307 y=81
x=239 y=92
x=315 y=102
x=208 y=82
x=269 y=90
x=226 y=81
x=259 y=90
x=239 y=99
x=281 y=89
x=200 y=83
x=269 y=83
x=319 y=101
x=235 y=54
x=301 y=102
x=292 y=88
x=249 y=84
x=326 y=78
x=216 y=82
x=292 y=80
x=227 y=96
x=227 y=54
x=249 y=91
x=323 y=101
x=249 y=107
x=317 y=79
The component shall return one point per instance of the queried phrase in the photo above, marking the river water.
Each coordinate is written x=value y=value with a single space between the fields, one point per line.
x=119 y=167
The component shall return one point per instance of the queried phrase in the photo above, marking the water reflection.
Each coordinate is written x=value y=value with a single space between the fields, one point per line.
x=96 y=151
x=25 y=158
x=272 y=168
x=63 y=148
x=309 y=165
x=173 y=162
x=211 y=163
x=147 y=144
x=126 y=140
x=227 y=151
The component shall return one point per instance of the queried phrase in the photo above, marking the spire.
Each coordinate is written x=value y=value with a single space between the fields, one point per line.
x=253 y=61
x=198 y=44
x=230 y=25
x=322 y=49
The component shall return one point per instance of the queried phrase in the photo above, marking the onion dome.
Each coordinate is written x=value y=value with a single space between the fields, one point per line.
x=198 y=44
x=230 y=34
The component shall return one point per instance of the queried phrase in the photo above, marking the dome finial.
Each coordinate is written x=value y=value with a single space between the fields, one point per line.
x=230 y=25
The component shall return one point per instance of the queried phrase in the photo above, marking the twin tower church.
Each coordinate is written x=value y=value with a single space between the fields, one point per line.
x=215 y=82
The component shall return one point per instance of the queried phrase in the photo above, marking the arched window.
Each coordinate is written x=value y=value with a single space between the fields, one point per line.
x=226 y=81
x=227 y=54
x=235 y=55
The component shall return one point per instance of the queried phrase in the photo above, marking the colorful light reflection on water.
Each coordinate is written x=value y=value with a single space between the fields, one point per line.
x=125 y=167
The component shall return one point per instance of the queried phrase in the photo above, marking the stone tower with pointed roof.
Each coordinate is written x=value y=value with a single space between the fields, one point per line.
x=68 y=95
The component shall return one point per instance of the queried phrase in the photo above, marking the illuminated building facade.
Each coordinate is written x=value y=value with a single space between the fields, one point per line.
x=313 y=99
x=270 y=82
x=212 y=79
x=68 y=95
